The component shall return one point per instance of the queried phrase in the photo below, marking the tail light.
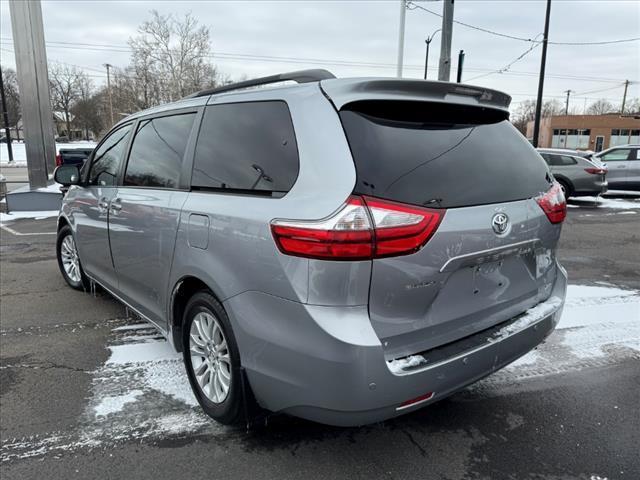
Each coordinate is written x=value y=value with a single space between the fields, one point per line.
x=362 y=229
x=58 y=160
x=596 y=171
x=553 y=204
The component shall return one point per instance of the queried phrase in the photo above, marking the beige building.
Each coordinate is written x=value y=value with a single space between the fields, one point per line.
x=587 y=132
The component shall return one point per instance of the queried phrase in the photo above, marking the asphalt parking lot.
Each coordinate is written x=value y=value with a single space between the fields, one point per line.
x=87 y=392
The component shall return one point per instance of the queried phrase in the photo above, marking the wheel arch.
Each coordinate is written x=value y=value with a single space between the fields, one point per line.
x=182 y=291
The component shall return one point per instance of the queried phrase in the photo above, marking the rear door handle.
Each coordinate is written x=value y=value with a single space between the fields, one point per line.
x=116 y=206
x=103 y=204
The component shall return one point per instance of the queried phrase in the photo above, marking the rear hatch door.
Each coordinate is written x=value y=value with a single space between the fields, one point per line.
x=491 y=257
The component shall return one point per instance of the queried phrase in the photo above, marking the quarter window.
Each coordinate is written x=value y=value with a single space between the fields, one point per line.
x=616 y=155
x=108 y=158
x=157 y=151
x=246 y=147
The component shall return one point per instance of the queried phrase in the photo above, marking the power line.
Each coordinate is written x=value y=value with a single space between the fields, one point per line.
x=413 y=6
x=509 y=65
x=348 y=63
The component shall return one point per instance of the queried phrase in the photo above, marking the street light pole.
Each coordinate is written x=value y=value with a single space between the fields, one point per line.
x=403 y=14
x=426 y=58
x=108 y=66
x=543 y=62
x=444 y=67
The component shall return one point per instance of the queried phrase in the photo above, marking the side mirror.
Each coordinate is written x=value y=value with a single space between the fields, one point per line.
x=67 y=175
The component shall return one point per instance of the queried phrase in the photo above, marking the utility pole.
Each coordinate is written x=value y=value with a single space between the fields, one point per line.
x=624 y=95
x=543 y=61
x=403 y=14
x=566 y=105
x=5 y=117
x=108 y=66
x=33 y=81
x=426 y=58
x=444 y=68
x=460 y=65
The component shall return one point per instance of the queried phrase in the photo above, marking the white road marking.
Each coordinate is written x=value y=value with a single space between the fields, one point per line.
x=19 y=234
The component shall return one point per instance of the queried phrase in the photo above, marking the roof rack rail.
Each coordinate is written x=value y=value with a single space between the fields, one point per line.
x=301 y=76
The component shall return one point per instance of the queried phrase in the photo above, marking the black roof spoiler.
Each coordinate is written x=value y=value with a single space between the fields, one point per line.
x=349 y=90
x=301 y=76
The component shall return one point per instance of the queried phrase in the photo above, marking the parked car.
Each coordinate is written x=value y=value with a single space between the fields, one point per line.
x=623 y=164
x=568 y=151
x=343 y=250
x=73 y=156
x=577 y=175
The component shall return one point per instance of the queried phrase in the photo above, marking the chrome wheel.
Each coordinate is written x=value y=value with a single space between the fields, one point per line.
x=210 y=357
x=70 y=260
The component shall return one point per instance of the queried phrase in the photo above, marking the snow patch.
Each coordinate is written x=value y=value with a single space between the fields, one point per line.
x=115 y=404
x=528 y=318
x=400 y=365
x=36 y=215
x=145 y=352
x=613 y=203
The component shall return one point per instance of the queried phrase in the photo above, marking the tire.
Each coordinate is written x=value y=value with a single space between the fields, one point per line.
x=68 y=260
x=566 y=189
x=208 y=386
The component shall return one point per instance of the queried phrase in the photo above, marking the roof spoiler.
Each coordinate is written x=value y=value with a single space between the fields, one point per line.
x=343 y=91
x=300 y=76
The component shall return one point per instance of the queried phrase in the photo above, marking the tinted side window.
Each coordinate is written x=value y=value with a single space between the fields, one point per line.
x=566 y=160
x=157 y=151
x=108 y=157
x=246 y=146
x=619 y=154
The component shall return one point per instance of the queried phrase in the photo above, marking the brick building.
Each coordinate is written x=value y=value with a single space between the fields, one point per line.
x=587 y=132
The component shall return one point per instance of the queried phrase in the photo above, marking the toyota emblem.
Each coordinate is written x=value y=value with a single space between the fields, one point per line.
x=500 y=223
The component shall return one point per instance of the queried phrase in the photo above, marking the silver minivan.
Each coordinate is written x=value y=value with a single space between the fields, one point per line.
x=342 y=250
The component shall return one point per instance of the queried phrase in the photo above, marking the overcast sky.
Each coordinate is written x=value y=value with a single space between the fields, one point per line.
x=359 y=38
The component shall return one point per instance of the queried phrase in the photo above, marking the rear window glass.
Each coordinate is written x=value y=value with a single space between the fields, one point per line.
x=246 y=147
x=440 y=155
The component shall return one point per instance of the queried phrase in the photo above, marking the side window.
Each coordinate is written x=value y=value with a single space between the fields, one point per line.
x=246 y=146
x=547 y=158
x=157 y=151
x=635 y=154
x=620 y=154
x=568 y=161
x=555 y=160
x=108 y=158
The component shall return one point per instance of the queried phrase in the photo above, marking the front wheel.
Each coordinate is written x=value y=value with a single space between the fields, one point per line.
x=212 y=359
x=68 y=259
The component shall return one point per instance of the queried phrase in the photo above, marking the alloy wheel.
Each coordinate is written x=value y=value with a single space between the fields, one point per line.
x=70 y=260
x=210 y=357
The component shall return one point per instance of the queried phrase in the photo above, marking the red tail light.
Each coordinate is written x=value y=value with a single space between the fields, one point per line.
x=363 y=228
x=553 y=204
x=596 y=171
x=58 y=160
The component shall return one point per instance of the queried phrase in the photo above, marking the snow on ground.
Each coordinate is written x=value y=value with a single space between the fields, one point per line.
x=601 y=202
x=9 y=217
x=142 y=390
x=20 y=154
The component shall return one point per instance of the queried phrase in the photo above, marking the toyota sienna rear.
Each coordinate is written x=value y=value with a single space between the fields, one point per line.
x=343 y=250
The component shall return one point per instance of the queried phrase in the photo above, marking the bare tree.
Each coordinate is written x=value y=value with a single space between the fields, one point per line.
x=526 y=112
x=12 y=95
x=600 y=107
x=65 y=85
x=85 y=108
x=632 y=107
x=171 y=57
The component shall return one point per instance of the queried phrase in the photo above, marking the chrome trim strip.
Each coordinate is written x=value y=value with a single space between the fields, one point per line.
x=478 y=348
x=488 y=252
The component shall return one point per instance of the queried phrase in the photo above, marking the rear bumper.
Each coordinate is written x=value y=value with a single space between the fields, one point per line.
x=597 y=187
x=325 y=364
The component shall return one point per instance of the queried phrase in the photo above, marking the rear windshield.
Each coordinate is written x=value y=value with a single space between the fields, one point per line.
x=440 y=155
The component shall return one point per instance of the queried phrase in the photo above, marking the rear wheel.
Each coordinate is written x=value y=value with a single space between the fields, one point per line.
x=566 y=188
x=212 y=359
x=69 y=261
